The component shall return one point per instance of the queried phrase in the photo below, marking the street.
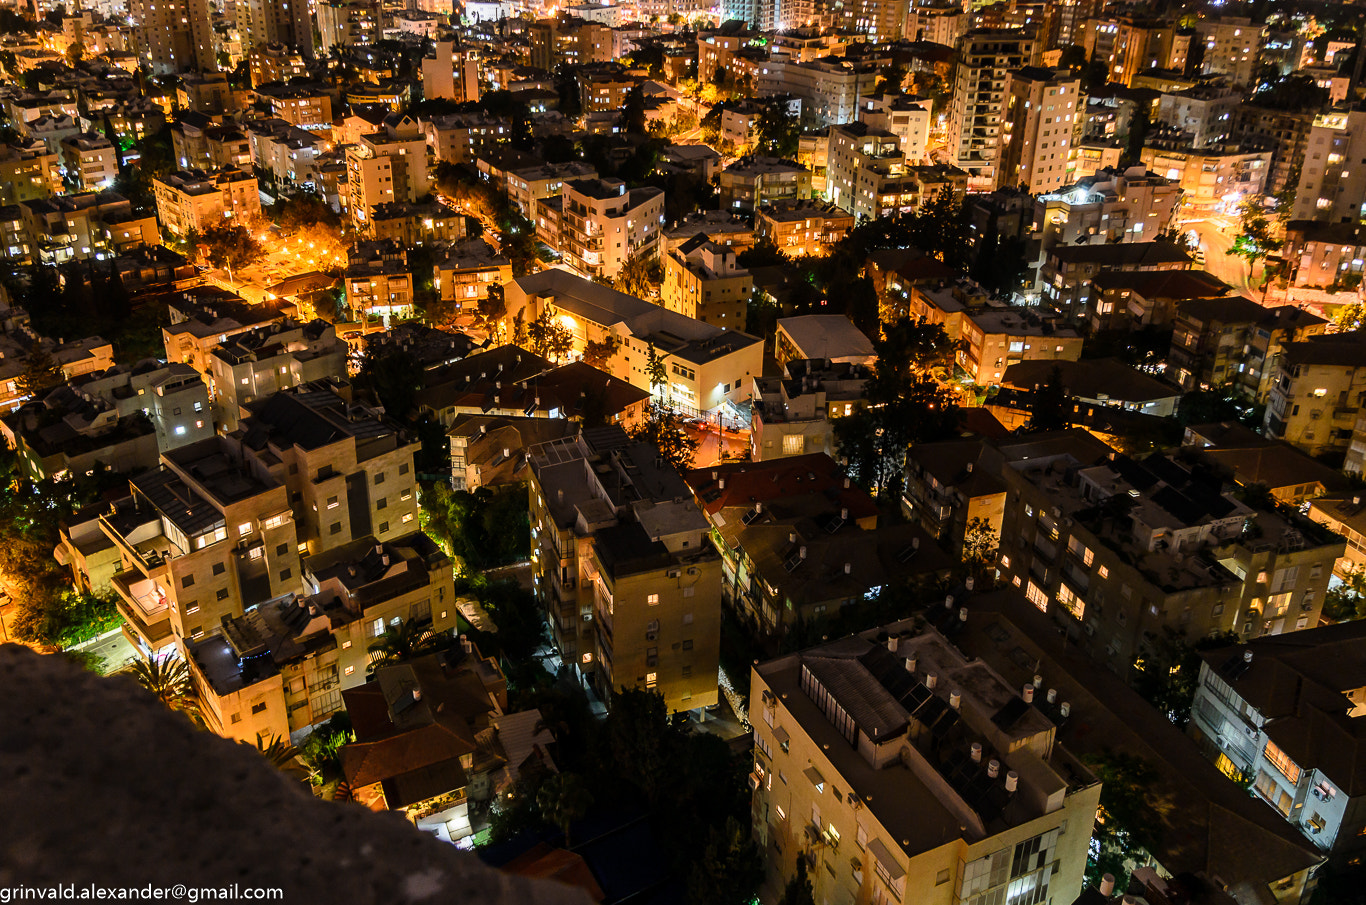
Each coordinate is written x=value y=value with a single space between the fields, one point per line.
x=1216 y=238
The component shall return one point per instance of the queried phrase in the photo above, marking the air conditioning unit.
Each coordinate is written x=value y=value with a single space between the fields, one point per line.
x=674 y=573
x=754 y=781
x=1251 y=731
x=1317 y=793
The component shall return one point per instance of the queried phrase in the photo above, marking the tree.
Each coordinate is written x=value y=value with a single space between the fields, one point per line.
x=980 y=546
x=392 y=377
x=231 y=247
x=641 y=273
x=654 y=368
x=665 y=430
x=730 y=870
x=599 y=353
x=41 y=372
x=1347 y=600
x=75 y=53
x=1049 y=411
x=549 y=338
x=1127 y=824
x=283 y=756
x=1169 y=670
x=562 y=799
x=799 y=891
x=400 y=643
x=167 y=678
x=1139 y=125
x=1255 y=240
x=779 y=130
x=632 y=117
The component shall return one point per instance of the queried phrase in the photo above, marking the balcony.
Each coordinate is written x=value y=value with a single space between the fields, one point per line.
x=143 y=603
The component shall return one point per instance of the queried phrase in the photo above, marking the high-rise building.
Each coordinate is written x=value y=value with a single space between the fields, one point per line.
x=1043 y=119
x=286 y=22
x=173 y=36
x=388 y=165
x=1332 y=189
x=985 y=58
x=1230 y=47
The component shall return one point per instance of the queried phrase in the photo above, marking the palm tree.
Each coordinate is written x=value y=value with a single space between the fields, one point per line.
x=563 y=798
x=168 y=680
x=401 y=642
x=283 y=756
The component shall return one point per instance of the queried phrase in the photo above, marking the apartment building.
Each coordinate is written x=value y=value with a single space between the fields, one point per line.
x=1332 y=189
x=527 y=187
x=1129 y=299
x=200 y=142
x=605 y=88
x=630 y=580
x=464 y=137
x=1213 y=180
x=286 y=155
x=1286 y=713
x=451 y=73
x=794 y=414
x=491 y=450
x=850 y=731
x=1318 y=392
x=1110 y=206
x=28 y=172
x=264 y=23
x=307 y=106
x=908 y=118
x=1130 y=46
x=950 y=486
x=173 y=37
x=1042 y=123
x=1204 y=112
x=343 y=22
x=204 y=535
x=1069 y=271
x=1231 y=47
x=263 y=360
x=753 y=182
x=996 y=338
x=985 y=58
x=604 y=224
x=703 y=281
x=867 y=173
x=195 y=200
x=388 y=165
x=1344 y=514
x=280 y=669
x=1118 y=551
x=706 y=367
x=829 y=88
x=803 y=227
x=1285 y=133
x=203 y=318
x=1234 y=341
x=1324 y=255
x=349 y=472
x=379 y=282
x=571 y=40
x=90 y=161
x=468 y=273
x=96 y=225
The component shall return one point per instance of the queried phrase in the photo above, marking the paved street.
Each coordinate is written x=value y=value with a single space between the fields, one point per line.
x=1216 y=238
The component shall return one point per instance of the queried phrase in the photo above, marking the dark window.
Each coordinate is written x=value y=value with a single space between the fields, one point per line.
x=222 y=593
x=383 y=527
x=282 y=549
x=219 y=568
x=258 y=708
x=403 y=469
x=335 y=529
x=382 y=503
x=187 y=581
x=285 y=573
x=379 y=478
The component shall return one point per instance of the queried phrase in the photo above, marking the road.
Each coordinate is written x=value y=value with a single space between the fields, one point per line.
x=114 y=650
x=1216 y=238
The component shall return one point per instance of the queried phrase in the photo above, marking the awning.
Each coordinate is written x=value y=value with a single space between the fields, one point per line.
x=815 y=776
x=885 y=858
x=781 y=735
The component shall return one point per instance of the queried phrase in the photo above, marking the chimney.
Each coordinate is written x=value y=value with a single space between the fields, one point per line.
x=931 y=680
x=962 y=614
x=1107 y=885
x=1028 y=694
x=1247 y=656
x=1064 y=709
x=848 y=567
x=969 y=582
x=955 y=699
x=892 y=642
x=802 y=551
x=1052 y=695
x=1012 y=781
x=976 y=752
x=417 y=694
x=721 y=484
x=911 y=661
x=993 y=768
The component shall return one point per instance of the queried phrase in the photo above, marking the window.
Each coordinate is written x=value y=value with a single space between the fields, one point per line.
x=335 y=529
x=285 y=574
x=222 y=594
x=942 y=877
x=652 y=600
x=282 y=549
x=383 y=527
x=687 y=645
x=407 y=517
x=1278 y=759
x=651 y=679
x=219 y=568
x=187 y=581
x=379 y=478
x=244 y=529
x=350 y=669
x=794 y=444
x=237 y=717
x=382 y=503
x=332 y=502
x=258 y=708
x=687 y=618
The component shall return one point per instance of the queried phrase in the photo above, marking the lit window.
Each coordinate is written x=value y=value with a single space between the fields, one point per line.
x=651 y=679
x=244 y=528
x=587 y=658
x=1278 y=759
x=652 y=600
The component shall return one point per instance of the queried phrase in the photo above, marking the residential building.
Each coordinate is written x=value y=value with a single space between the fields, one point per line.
x=1119 y=551
x=528 y=186
x=803 y=227
x=388 y=165
x=908 y=118
x=625 y=568
x=752 y=182
x=410 y=223
x=463 y=137
x=491 y=450
x=1128 y=299
x=829 y=87
x=285 y=156
x=1285 y=711
x=180 y=573
x=703 y=281
x=99 y=225
x=379 y=282
x=850 y=731
x=1204 y=111
x=203 y=319
x=1069 y=270
x=1234 y=341
x=832 y=337
x=1040 y=129
x=261 y=361
x=28 y=172
x=1285 y=133
x=708 y=368
x=605 y=224
x=1317 y=394
x=985 y=58
x=173 y=37
x=1215 y=179
x=952 y=492
x=199 y=142
x=1331 y=188
x=1098 y=382
x=451 y=73
x=264 y=23
x=279 y=669
x=1342 y=513
x=195 y=200
x=794 y=414
x=1324 y=255
x=1231 y=46
x=996 y=338
x=343 y=22
x=467 y=274
x=1131 y=45
x=305 y=105
x=432 y=740
x=90 y=161
x=865 y=170
x=799 y=541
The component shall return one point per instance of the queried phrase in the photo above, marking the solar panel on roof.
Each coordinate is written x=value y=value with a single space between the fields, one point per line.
x=915 y=696
x=749 y=517
x=1010 y=713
